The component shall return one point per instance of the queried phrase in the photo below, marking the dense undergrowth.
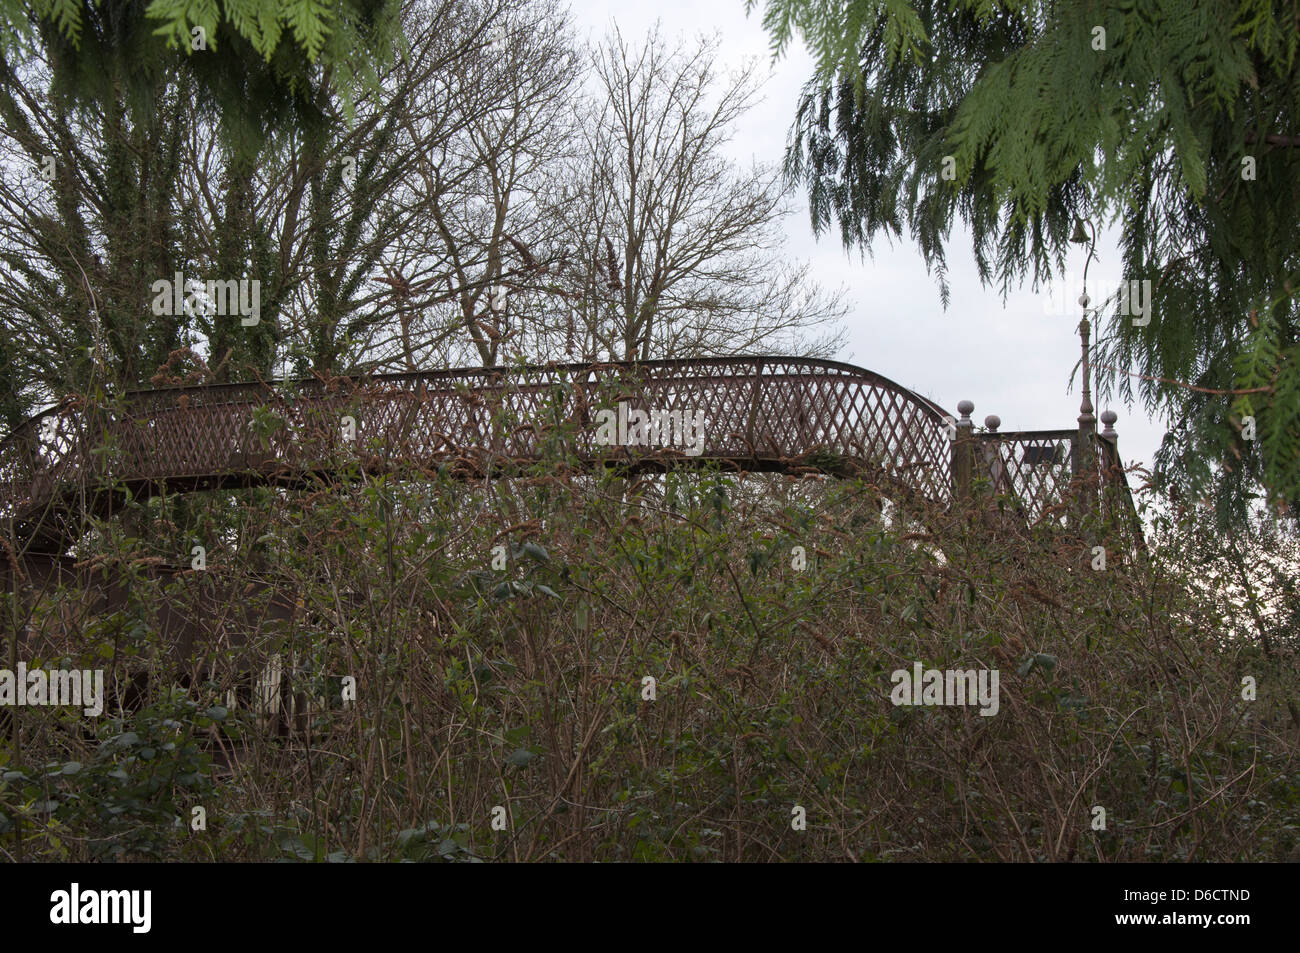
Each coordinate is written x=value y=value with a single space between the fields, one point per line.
x=504 y=713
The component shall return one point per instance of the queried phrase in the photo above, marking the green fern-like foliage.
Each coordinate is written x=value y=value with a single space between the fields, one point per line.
x=1177 y=120
x=259 y=63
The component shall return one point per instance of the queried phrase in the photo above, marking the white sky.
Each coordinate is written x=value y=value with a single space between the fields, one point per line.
x=1013 y=360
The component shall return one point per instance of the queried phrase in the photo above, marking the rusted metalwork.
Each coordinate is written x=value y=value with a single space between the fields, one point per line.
x=770 y=414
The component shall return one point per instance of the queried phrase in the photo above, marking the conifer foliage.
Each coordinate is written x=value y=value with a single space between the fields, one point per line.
x=259 y=62
x=1174 y=121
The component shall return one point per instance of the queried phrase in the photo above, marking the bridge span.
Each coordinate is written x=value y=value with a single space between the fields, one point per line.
x=757 y=414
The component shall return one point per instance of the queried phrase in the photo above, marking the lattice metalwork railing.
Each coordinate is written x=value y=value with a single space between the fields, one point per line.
x=761 y=413
x=1033 y=468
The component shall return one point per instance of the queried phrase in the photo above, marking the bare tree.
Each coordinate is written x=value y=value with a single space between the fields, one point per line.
x=487 y=186
x=672 y=249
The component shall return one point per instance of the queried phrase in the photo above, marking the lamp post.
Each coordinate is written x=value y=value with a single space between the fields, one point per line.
x=1087 y=420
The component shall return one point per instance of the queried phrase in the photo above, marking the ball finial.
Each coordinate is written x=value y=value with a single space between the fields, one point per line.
x=993 y=422
x=1108 y=418
x=964 y=407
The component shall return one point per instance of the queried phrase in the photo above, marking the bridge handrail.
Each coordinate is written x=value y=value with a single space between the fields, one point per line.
x=874 y=417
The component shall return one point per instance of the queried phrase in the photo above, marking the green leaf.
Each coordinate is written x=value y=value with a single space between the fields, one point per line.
x=520 y=758
x=411 y=834
x=295 y=846
x=537 y=552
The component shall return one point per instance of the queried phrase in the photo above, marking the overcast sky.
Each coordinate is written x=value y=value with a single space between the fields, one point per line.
x=1013 y=359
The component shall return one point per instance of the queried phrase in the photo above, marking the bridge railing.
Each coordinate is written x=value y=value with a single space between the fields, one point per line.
x=773 y=413
x=1034 y=468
